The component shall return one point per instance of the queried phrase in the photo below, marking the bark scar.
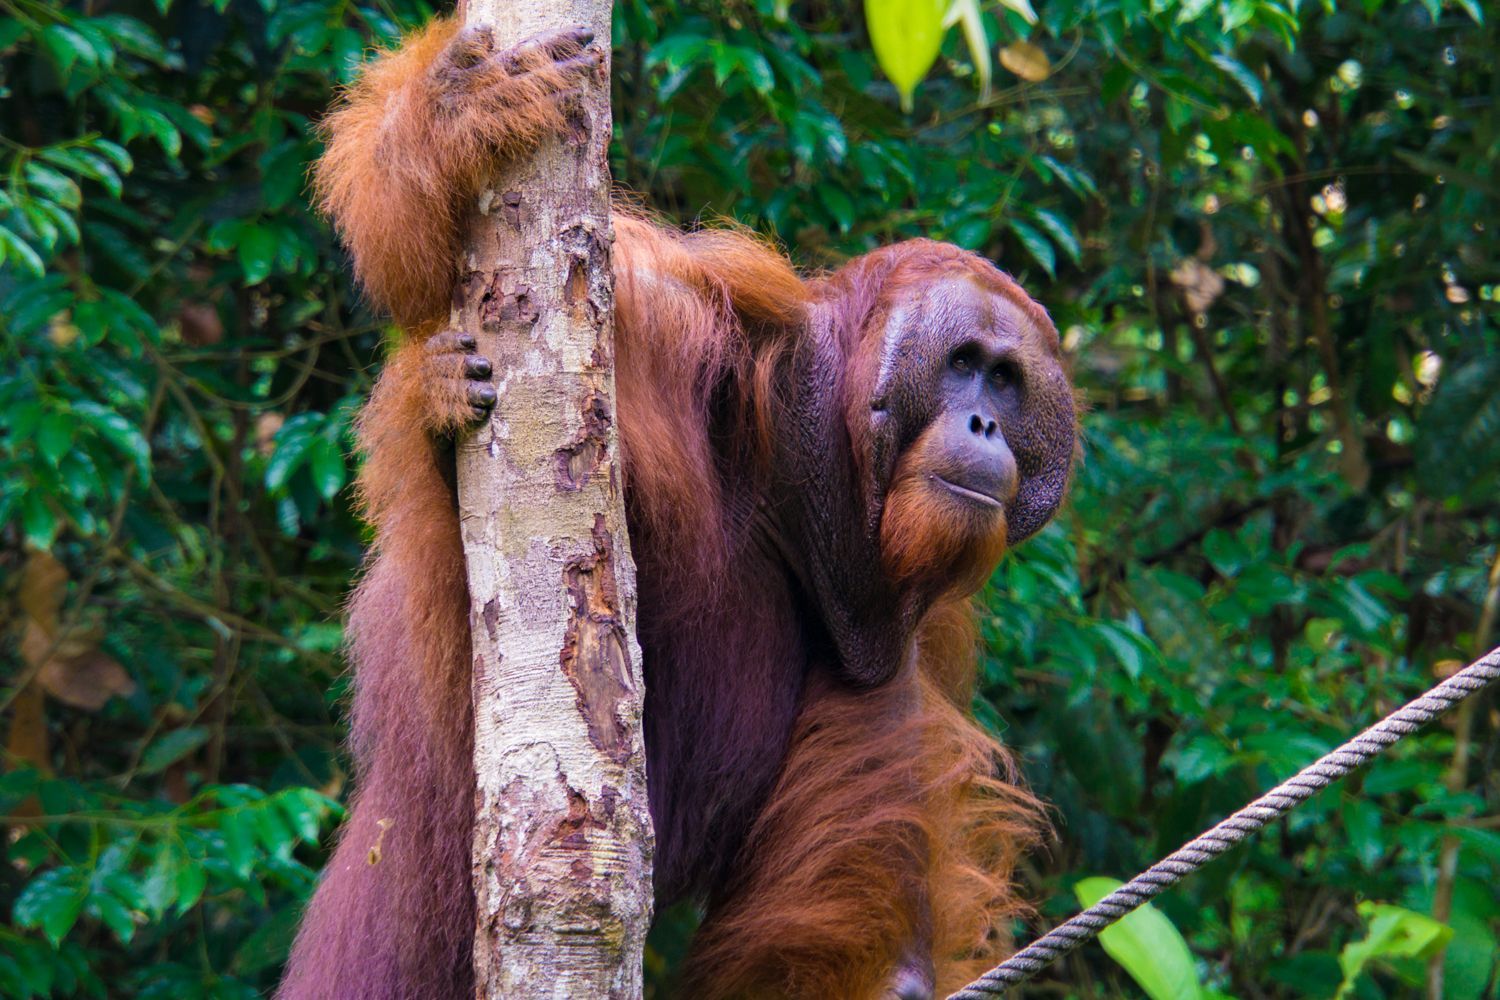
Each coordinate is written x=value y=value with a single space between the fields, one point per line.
x=510 y=208
x=507 y=302
x=586 y=289
x=594 y=654
x=581 y=458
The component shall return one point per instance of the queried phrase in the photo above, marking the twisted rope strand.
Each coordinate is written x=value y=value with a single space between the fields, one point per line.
x=1064 y=938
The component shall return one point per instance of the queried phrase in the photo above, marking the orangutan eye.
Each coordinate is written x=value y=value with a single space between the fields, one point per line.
x=1005 y=373
x=965 y=360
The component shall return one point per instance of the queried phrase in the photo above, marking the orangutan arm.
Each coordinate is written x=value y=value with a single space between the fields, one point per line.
x=414 y=140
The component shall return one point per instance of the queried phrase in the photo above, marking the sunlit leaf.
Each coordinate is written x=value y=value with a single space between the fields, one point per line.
x=38 y=522
x=1236 y=71
x=1022 y=7
x=122 y=434
x=1146 y=945
x=906 y=36
x=967 y=13
x=53 y=902
x=16 y=249
x=1394 y=933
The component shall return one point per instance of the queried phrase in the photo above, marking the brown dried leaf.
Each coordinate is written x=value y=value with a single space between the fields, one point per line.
x=44 y=583
x=1443 y=669
x=86 y=681
x=61 y=330
x=1027 y=61
x=1201 y=285
x=200 y=324
x=75 y=672
x=26 y=740
x=266 y=426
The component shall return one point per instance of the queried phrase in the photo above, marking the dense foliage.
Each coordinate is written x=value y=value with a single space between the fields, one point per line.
x=1265 y=230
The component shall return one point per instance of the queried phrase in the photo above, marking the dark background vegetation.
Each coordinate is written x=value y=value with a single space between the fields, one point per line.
x=1267 y=236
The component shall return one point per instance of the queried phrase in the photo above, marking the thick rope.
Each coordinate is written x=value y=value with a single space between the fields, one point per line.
x=1064 y=938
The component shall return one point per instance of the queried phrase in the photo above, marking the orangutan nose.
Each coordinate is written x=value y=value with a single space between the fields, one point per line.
x=909 y=984
x=978 y=459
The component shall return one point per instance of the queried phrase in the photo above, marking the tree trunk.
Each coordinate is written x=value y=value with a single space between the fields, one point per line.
x=562 y=835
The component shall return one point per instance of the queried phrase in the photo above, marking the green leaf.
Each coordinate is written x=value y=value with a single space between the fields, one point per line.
x=1363 y=609
x=238 y=827
x=115 y=154
x=101 y=48
x=114 y=914
x=1022 y=7
x=1362 y=825
x=58 y=218
x=192 y=879
x=54 y=184
x=55 y=436
x=172 y=747
x=284 y=171
x=1146 y=945
x=906 y=36
x=325 y=461
x=1036 y=244
x=11 y=32
x=1473 y=9
x=972 y=233
x=348 y=53
x=128 y=315
x=1061 y=231
x=52 y=901
x=1240 y=74
x=836 y=200
x=160 y=128
x=267 y=947
x=123 y=435
x=67 y=47
x=292 y=444
x=135 y=37
x=14 y=248
x=159 y=887
x=37 y=520
x=304 y=809
x=1459 y=431
x=257 y=252
x=1394 y=933
x=1130 y=648
x=87 y=163
x=758 y=69
x=1225 y=552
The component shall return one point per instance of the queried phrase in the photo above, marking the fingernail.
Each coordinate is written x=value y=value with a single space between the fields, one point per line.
x=479 y=367
x=486 y=396
x=465 y=340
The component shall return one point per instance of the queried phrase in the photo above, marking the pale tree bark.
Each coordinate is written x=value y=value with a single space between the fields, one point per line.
x=562 y=835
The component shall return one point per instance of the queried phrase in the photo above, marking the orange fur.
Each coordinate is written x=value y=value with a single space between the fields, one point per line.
x=693 y=311
x=896 y=821
x=925 y=535
x=402 y=161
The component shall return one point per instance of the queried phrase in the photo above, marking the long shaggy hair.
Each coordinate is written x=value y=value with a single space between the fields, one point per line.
x=833 y=832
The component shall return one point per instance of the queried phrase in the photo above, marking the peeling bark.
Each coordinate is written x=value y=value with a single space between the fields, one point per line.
x=562 y=835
